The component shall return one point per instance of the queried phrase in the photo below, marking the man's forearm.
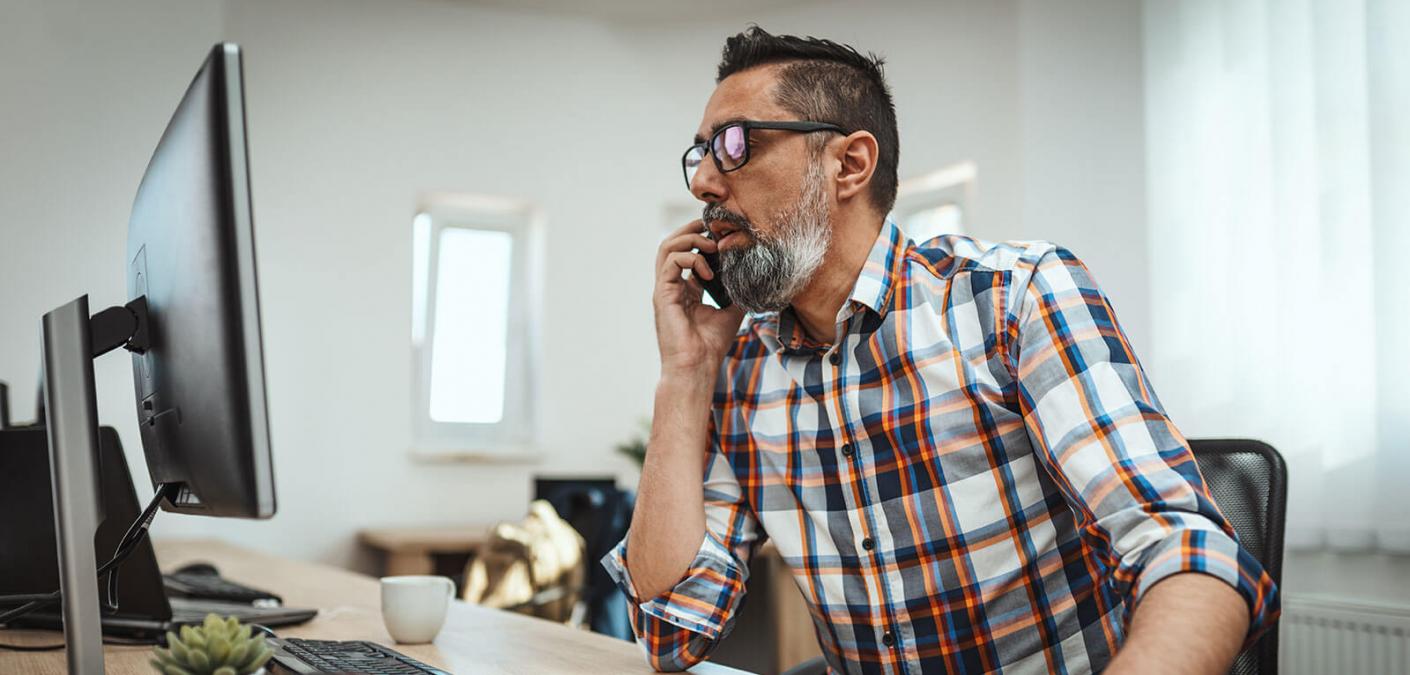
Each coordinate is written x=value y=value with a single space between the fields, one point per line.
x=668 y=523
x=1186 y=623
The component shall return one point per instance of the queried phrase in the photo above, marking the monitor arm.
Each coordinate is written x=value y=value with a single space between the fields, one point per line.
x=124 y=326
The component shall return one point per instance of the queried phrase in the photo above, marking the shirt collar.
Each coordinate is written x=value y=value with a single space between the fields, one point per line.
x=873 y=289
x=878 y=275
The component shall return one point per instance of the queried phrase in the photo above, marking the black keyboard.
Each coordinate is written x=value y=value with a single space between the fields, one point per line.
x=353 y=656
x=211 y=586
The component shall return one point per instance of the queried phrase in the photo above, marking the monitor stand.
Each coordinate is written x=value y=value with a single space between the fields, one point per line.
x=71 y=341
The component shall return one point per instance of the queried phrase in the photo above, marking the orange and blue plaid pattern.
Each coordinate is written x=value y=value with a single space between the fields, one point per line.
x=975 y=475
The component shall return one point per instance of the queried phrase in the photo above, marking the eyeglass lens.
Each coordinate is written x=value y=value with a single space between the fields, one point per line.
x=693 y=158
x=729 y=147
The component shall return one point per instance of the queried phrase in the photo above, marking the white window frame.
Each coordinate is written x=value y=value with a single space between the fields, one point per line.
x=950 y=185
x=514 y=436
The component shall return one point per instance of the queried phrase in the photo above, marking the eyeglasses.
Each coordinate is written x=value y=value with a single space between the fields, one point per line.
x=729 y=145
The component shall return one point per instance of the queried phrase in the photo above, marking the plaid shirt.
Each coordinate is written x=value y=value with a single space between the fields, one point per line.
x=978 y=476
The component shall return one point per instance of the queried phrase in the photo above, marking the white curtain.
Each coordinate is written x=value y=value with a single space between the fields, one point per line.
x=1278 y=145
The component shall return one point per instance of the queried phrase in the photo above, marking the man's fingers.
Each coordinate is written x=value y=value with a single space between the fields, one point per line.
x=685 y=260
x=685 y=242
x=681 y=239
x=693 y=283
x=681 y=261
x=676 y=261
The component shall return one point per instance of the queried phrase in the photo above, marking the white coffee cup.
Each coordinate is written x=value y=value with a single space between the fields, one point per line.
x=414 y=607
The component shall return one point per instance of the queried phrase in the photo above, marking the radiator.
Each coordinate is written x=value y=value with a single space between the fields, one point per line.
x=1329 y=636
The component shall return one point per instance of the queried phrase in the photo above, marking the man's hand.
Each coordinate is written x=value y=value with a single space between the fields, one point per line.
x=691 y=336
x=1186 y=623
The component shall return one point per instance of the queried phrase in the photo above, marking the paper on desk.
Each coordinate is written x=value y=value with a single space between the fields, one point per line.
x=707 y=668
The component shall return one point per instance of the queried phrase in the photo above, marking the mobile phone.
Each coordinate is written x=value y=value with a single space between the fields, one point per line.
x=714 y=286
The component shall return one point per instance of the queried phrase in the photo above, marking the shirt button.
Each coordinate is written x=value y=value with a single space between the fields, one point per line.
x=888 y=639
x=868 y=544
x=836 y=358
x=847 y=450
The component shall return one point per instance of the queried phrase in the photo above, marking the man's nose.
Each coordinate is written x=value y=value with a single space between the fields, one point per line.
x=708 y=184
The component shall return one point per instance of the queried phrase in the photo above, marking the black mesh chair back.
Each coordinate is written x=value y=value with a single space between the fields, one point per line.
x=1249 y=482
x=600 y=513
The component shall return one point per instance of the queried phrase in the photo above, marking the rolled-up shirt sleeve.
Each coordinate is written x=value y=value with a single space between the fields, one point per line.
x=1119 y=461
x=679 y=627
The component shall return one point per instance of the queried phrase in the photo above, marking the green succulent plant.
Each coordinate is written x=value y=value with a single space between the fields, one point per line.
x=218 y=647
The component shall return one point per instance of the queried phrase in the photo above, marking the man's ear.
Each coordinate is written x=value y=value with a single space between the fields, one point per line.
x=858 y=155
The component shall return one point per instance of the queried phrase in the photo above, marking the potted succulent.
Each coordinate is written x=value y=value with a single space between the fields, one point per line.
x=217 y=647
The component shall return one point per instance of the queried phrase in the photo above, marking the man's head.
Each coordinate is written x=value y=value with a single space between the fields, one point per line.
x=783 y=189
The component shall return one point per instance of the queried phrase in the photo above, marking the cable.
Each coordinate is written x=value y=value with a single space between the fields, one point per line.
x=21 y=598
x=51 y=648
x=263 y=629
x=130 y=540
x=133 y=537
x=27 y=608
x=32 y=648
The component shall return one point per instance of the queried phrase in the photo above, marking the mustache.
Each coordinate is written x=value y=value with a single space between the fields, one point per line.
x=720 y=213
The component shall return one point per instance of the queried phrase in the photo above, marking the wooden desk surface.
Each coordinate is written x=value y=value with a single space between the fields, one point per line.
x=474 y=640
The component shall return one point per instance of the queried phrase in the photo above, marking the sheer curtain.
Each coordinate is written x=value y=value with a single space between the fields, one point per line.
x=1278 y=145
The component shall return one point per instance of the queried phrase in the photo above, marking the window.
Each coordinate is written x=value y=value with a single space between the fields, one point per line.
x=934 y=204
x=473 y=326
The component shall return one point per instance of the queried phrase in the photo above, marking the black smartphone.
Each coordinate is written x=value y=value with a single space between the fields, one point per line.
x=714 y=286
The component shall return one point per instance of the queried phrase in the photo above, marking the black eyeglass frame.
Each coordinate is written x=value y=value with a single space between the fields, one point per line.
x=707 y=147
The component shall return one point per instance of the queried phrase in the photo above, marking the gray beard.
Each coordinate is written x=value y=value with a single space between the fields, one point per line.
x=768 y=274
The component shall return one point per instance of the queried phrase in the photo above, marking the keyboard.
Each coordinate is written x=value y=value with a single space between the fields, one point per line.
x=353 y=656
x=205 y=584
x=194 y=611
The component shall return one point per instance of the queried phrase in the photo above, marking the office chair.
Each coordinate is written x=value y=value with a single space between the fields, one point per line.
x=1248 y=480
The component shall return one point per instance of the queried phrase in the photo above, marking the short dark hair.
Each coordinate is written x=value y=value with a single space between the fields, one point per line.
x=823 y=81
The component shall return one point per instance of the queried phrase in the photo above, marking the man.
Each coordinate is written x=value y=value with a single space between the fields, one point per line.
x=950 y=443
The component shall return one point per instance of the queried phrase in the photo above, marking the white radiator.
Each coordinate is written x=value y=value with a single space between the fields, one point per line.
x=1327 y=636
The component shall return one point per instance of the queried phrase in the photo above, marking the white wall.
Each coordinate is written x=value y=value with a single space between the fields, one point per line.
x=353 y=109
x=1084 y=145
x=953 y=69
x=85 y=91
x=356 y=106
x=348 y=122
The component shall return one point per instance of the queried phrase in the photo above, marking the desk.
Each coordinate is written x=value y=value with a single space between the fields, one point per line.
x=773 y=632
x=474 y=640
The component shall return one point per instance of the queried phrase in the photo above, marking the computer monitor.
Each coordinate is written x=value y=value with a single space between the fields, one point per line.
x=193 y=326
x=199 y=384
